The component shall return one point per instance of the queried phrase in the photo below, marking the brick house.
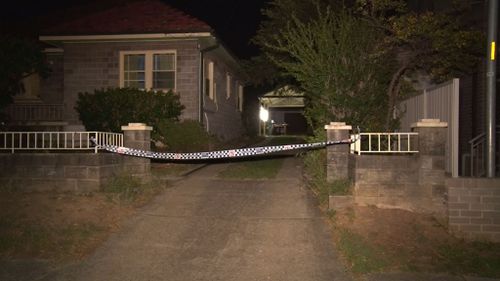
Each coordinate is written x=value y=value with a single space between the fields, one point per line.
x=142 y=44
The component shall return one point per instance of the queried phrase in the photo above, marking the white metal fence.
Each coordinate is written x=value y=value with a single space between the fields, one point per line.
x=38 y=141
x=440 y=102
x=369 y=143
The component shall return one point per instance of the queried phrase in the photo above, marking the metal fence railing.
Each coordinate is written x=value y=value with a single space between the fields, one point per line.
x=384 y=143
x=46 y=141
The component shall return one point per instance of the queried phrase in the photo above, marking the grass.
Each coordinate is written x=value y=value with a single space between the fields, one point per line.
x=426 y=248
x=23 y=238
x=362 y=256
x=62 y=226
x=279 y=140
x=259 y=169
x=315 y=172
x=8 y=186
x=125 y=188
x=170 y=169
x=470 y=258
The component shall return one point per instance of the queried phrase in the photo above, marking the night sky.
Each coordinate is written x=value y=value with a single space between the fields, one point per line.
x=235 y=22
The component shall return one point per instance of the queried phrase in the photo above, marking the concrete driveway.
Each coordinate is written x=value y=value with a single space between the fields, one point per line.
x=206 y=228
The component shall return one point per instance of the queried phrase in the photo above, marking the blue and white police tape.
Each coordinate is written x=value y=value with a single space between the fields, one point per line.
x=220 y=154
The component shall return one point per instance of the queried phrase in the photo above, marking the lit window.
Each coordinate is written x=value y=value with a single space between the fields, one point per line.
x=153 y=70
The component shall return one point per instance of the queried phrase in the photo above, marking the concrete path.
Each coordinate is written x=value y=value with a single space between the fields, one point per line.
x=206 y=228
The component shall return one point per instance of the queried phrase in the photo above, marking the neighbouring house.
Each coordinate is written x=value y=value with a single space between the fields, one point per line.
x=144 y=44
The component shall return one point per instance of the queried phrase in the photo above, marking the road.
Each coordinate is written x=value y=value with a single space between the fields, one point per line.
x=207 y=228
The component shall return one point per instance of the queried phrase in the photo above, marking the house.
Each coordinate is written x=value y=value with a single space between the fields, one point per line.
x=143 y=44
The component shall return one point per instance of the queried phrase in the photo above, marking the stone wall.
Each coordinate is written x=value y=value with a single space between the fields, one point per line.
x=474 y=208
x=75 y=172
x=394 y=181
x=418 y=182
x=414 y=182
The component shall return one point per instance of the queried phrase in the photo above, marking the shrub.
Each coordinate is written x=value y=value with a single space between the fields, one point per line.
x=109 y=109
x=185 y=136
x=315 y=172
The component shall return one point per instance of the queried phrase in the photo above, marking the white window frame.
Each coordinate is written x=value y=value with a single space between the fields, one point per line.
x=228 y=85
x=148 y=67
x=209 y=73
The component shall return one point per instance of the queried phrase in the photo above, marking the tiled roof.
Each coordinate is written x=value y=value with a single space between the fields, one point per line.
x=130 y=17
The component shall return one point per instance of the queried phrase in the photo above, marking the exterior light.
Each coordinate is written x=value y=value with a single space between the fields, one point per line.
x=264 y=114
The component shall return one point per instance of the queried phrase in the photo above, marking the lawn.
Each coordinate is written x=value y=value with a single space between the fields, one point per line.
x=64 y=227
x=381 y=240
x=253 y=169
x=265 y=167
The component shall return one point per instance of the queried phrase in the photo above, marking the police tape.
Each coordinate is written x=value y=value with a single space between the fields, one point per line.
x=219 y=154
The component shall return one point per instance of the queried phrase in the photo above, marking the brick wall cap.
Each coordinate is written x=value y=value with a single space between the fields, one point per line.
x=429 y=123
x=137 y=127
x=338 y=126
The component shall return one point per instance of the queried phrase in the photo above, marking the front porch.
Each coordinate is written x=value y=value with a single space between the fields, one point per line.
x=35 y=116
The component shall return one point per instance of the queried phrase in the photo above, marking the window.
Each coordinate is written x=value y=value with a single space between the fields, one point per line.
x=135 y=71
x=228 y=86
x=209 y=80
x=163 y=71
x=148 y=70
x=30 y=88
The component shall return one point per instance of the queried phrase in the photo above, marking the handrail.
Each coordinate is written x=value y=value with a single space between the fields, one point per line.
x=383 y=143
x=477 y=154
x=47 y=141
x=481 y=135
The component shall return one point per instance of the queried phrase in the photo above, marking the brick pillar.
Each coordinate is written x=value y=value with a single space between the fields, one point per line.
x=137 y=135
x=337 y=167
x=432 y=134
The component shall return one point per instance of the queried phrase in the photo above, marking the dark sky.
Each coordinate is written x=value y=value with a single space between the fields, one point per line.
x=234 y=21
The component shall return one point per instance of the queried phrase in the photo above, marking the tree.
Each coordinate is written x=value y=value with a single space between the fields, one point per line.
x=386 y=45
x=334 y=58
x=436 y=43
x=19 y=58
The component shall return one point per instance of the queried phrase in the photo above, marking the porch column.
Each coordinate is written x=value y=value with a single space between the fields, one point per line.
x=432 y=135
x=337 y=167
x=138 y=136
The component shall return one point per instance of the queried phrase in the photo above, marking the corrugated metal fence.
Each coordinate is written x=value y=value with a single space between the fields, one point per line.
x=441 y=101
